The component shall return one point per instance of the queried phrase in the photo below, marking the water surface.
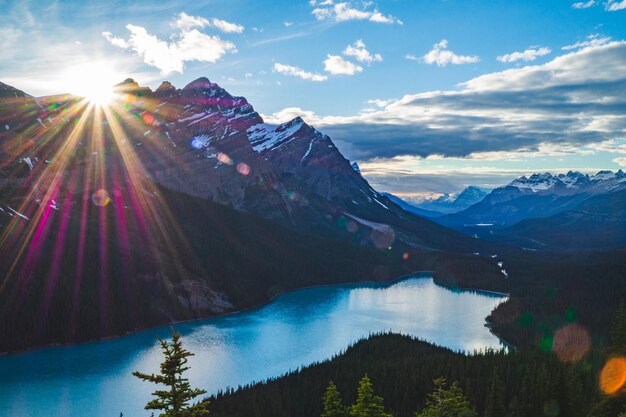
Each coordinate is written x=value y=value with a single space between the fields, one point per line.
x=296 y=329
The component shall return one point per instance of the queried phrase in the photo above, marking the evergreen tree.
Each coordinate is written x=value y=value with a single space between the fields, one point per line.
x=495 y=404
x=447 y=402
x=367 y=403
x=333 y=407
x=618 y=333
x=174 y=401
x=610 y=405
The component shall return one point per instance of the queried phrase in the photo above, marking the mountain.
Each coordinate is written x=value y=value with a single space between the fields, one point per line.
x=177 y=204
x=537 y=196
x=202 y=141
x=8 y=92
x=598 y=222
x=446 y=204
x=406 y=206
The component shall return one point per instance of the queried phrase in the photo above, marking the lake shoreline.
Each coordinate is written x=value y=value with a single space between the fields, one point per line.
x=388 y=283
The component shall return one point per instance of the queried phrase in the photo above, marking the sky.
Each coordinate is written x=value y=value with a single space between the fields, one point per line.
x=428 y=96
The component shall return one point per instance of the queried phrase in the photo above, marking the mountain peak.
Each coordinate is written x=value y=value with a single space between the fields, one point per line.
x=200 y=83
x=165 y=86
x=129 y=85
x=603 y=175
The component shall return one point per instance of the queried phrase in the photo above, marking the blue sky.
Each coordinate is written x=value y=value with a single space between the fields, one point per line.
x=428 y=96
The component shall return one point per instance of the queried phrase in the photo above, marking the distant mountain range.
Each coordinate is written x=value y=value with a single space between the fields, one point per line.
x=446 y=204
x=572 y=210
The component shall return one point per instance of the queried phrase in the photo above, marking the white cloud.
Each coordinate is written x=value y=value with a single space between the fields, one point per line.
x=187 y=44
x=592 y=40
x=290 y=113
x=609 y=5
x=119 y=42
x=226 y=27
x=186 y=22
x=584 y=4
x=442 y=56
x=298 y=72
x=380 y=103
x=614 y=5
x=361 y=54
x=336 y=65
x=620 y=161
x=344 y=11
x=287 y=24
x=529 y=54
x=411 y=57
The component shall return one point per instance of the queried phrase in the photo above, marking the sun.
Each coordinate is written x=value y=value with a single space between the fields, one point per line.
x=99 y=95
x=94 y=81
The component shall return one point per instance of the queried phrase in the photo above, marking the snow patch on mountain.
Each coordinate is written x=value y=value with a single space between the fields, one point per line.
x=270 y=137
x=573 y=181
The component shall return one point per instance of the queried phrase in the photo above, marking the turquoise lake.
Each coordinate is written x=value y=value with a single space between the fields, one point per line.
x=295 y=329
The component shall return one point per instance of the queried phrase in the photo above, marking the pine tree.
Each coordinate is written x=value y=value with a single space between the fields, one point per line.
x=618 y=333
x=174 y=401
x=367 y=404
x=447 y=402
x=610 y=405
x=333 y=407
x=495 y=404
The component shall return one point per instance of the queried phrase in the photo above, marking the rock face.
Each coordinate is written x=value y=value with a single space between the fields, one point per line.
x=6 y=91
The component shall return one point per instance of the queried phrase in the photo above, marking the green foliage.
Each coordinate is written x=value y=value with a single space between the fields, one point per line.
x=611 y=405
x=403 y=369
x=495 y=404
x=333 y=406
x=618 y=333
x=174 y=401
x=447 y=402
x=367 y=403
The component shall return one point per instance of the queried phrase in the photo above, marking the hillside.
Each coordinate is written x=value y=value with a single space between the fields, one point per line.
x=402 y=370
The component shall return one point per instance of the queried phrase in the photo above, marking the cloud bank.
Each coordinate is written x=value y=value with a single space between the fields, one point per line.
x=573 y=101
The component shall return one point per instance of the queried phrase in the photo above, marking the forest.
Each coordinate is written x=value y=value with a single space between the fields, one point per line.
x=404 y=372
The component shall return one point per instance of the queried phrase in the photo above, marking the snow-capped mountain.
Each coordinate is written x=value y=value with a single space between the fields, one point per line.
x=571 y=183
x=536 y=196
x=446 y=203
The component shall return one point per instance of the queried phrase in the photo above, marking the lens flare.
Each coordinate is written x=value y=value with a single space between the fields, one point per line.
x=571 y=343
x=100 y=198
x=613 y=375
x=243 y=168
x=224 y=159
